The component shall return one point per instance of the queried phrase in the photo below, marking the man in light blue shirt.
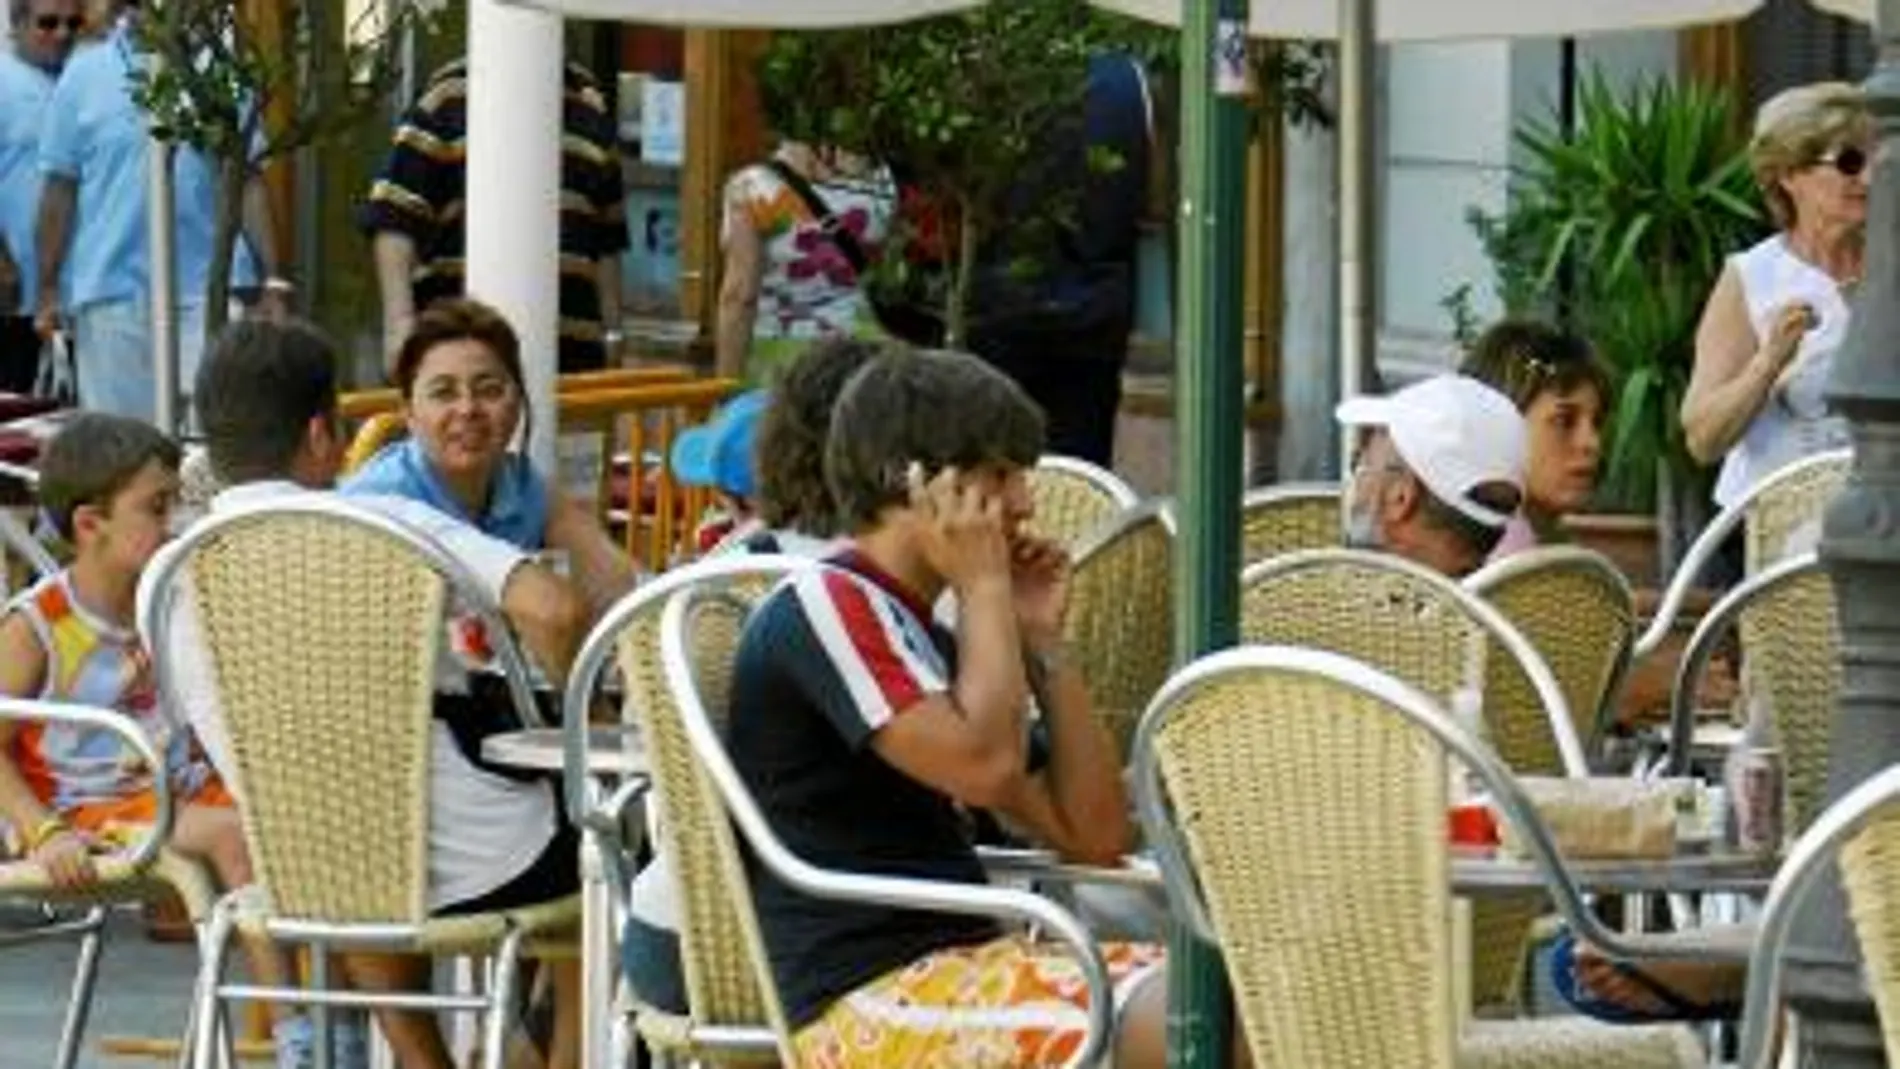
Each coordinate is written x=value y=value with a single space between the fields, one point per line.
x=43 y=34
x=92 y=224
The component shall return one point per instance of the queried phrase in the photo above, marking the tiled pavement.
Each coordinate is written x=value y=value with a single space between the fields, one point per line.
x=144 y=988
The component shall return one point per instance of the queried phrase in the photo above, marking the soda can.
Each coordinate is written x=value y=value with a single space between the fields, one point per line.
x=1758 y=825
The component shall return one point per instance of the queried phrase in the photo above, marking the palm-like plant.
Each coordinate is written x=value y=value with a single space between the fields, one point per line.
x=1620 y=229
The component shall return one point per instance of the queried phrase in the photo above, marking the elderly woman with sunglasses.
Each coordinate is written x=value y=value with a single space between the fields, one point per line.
x=1780 y=309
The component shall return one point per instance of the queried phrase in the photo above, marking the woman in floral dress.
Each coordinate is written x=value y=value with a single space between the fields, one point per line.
x=789 y=280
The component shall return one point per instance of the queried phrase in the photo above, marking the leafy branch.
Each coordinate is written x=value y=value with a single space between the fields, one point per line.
x=246 y=82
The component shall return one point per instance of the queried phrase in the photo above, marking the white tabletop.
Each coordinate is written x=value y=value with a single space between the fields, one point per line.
x=612 y=751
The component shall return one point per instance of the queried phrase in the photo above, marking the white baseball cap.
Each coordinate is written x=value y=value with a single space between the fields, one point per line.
x=1455 y=433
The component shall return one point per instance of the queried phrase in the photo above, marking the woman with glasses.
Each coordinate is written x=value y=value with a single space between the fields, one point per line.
x=460 y=377
x=1780 y=310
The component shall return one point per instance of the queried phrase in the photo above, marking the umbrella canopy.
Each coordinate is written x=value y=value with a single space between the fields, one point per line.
x=752 y=14
x=1430 y=20
x=1398 y=20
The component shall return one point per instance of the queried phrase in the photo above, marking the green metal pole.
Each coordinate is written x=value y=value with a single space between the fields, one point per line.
x=1208 y=418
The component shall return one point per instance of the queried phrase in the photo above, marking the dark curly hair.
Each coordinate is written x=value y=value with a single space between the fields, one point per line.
x=789 y=450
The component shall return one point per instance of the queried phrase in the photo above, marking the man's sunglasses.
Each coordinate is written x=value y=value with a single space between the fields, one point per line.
x=49 y=23
x=1849 y=161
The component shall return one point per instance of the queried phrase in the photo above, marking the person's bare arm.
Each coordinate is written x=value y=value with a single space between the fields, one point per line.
x=56 y=848
x=548 y=614
x=1078 y=804
x=59 y=197
x=738 y=295
x=971 y=743
x=607 y=278
x=395 y=255
x=595 y=564
x=11 y=284
x=1734 y=371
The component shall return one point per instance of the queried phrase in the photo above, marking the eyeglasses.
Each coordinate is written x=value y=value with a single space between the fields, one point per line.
x=1848 y=160
x=50 y=23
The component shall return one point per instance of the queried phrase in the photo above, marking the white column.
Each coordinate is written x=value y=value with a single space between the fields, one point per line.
x=514 y=189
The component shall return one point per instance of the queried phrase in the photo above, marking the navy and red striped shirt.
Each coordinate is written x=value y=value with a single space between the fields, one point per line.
x=830 y=658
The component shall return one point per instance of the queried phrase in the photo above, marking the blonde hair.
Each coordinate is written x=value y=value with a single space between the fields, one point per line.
x=1795 y=128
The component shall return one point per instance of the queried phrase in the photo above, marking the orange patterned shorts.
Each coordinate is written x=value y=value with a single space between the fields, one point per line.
x=1004 y=1004
x=123 y=820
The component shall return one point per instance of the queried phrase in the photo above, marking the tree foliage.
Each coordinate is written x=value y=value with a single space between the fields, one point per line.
x=248 y=81
x=968 y=105
x=1620 y=229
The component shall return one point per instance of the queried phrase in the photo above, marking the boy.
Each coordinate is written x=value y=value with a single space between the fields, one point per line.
x=108 y=483
x=868 y=734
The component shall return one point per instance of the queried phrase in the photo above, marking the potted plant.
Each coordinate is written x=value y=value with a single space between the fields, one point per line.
x=1619 y=229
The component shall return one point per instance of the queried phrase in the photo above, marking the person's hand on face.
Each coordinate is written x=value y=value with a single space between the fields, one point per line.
x=962 y=528
x=1039 y=576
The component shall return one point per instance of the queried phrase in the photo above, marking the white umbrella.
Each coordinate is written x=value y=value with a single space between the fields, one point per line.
x=1438 y=20
x=753 y=14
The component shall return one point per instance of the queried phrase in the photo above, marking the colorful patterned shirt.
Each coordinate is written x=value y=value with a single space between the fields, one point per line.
x=90 y=661
x=807 y=288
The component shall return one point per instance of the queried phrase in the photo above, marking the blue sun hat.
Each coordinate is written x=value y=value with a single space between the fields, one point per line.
x=718 y=453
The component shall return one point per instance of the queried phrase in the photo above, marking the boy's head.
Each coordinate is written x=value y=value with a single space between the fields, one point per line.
x=108 y=483
x=266 y=395
x=938 y=410
x=718 y=453
x=790 y=453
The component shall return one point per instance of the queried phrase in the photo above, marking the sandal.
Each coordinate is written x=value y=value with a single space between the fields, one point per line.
x=1676 y=1006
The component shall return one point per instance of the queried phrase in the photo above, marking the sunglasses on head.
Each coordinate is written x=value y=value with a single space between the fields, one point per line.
x=49 y=23
x=1848 y=160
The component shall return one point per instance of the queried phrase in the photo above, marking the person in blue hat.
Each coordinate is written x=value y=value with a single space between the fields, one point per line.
x=717 y=455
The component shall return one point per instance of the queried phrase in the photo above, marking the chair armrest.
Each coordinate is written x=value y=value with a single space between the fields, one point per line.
x=1688 y=572
x=1806 y=864
x=15 y=536
x=1134 y=871
x=45 y=712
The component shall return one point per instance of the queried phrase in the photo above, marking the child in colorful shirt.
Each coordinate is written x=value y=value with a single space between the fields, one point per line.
x=108 y=483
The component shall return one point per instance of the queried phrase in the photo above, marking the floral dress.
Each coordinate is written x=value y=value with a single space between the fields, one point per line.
x=807 y=288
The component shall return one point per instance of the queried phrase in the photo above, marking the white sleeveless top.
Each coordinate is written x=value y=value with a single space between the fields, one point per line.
x=1795 y=423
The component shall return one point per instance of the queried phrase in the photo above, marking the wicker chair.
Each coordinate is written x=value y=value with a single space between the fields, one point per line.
x=730 y=1018
x=1424 y=628
x=1119 y=611
x=698 y=635
x=323 y=623
x=1578 y=610
x=1774 y=509
x=1787 y=618
x=1288 y=518
x=148 y=871
x=1864 y=828
x=1075 y=499
x=1295 y=800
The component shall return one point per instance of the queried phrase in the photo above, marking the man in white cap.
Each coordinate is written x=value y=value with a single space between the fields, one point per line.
x=1439 y=473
